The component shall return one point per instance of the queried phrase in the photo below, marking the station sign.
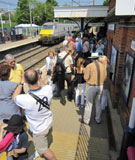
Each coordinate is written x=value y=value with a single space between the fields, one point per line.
x=96 y=24
x=111 y=27
x=125 y=7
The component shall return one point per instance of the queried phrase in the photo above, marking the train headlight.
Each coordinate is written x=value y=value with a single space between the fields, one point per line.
x=42 y=36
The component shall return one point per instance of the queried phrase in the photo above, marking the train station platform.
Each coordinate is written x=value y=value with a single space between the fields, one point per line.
x=15 y=44
x=73 y=140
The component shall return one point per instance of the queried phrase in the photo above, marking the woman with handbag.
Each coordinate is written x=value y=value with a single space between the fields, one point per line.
x=79 y=74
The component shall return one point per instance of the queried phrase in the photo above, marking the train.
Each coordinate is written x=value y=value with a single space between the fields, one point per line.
x=54 y=32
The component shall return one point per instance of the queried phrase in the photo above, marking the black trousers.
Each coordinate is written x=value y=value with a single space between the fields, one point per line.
x=68 y=78
x=60 y=82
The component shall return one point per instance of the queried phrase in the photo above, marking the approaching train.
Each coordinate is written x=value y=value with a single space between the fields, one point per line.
x=54 y=32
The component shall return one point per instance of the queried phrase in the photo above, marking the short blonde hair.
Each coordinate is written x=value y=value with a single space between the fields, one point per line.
x=103 y=58
x=51 y=51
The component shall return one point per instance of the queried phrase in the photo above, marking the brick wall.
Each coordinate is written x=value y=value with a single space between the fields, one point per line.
x=121 y=39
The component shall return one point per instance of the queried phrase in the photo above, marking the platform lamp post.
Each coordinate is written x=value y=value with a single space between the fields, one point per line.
x=30 y=19
x=9 y=17
x=45 y=8
x=129 y=133
x=1 y=22
x=3 y=37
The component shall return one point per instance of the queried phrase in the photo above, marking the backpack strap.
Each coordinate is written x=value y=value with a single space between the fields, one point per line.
x=57 y=58
x=64 y=57
x=45 y=104
x=98 y=72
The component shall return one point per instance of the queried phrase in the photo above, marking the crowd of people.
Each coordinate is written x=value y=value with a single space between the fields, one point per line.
x=80 y=62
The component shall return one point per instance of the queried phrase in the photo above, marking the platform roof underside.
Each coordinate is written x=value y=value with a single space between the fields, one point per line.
x=81 y=12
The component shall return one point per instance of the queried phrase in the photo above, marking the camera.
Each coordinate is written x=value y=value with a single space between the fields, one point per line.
x=38 y=71
x=49 y=72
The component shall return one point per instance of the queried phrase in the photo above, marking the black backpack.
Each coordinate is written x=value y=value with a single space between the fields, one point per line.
x=60 y=67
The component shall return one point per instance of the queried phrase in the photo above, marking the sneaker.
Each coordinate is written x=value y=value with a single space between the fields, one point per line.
x=81 y=121
x=56 y=97
x=63 y=101
x=82 y=105
x=77 y=105
x=97 y=122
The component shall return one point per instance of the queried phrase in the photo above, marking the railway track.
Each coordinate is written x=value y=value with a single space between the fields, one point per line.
x=35 y=57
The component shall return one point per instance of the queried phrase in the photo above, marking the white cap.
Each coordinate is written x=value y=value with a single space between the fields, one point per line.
x=94 y=55
x=65 y=42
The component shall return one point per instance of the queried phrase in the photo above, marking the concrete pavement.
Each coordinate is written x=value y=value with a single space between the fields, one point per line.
x=14 y=44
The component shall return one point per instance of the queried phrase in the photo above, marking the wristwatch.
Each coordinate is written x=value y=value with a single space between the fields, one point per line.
x=21 y=83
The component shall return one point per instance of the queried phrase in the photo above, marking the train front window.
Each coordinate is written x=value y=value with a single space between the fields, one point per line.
x=48 y=27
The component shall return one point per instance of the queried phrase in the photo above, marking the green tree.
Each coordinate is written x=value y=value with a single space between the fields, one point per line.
x=49 y=9
x=5 y=17
x=13 y=18
x=22 y=11
x=38 y=12
x=106 y=2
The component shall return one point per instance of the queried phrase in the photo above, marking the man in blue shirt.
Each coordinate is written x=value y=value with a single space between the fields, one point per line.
x=78 y=46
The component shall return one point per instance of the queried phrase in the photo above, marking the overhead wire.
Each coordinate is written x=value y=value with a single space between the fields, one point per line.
x=79 y=2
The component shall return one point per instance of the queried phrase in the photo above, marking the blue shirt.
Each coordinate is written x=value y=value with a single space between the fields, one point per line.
x=100 y=49
x=7 y=106
x=78 y=46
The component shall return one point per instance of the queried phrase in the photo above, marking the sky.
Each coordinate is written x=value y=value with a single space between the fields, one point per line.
x=11 y=4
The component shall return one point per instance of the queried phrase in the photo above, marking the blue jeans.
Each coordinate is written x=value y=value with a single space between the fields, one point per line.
x=57 y=89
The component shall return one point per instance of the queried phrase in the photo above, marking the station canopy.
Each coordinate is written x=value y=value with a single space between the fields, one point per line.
x=80 y=11
x=89 y=14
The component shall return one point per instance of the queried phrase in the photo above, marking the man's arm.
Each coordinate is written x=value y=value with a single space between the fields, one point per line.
x=2 y=131
x=87 y=73
x=16 y=151
x=17 y=91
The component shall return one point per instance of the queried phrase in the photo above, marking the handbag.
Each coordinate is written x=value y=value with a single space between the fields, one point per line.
x=6 y=141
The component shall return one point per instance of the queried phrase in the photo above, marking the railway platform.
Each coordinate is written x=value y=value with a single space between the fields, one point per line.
x=14 y=44
x=75 y=141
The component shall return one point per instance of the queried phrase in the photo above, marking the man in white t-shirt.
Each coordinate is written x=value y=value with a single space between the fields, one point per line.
x=39 y=117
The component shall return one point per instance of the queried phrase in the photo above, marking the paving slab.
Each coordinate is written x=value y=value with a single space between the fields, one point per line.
x=14 y=44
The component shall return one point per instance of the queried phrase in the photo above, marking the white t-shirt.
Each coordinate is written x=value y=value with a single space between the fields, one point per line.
x=38 y=117
x=100 y=49
x=67 y=62
x=65 y=43
x=49 y=63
